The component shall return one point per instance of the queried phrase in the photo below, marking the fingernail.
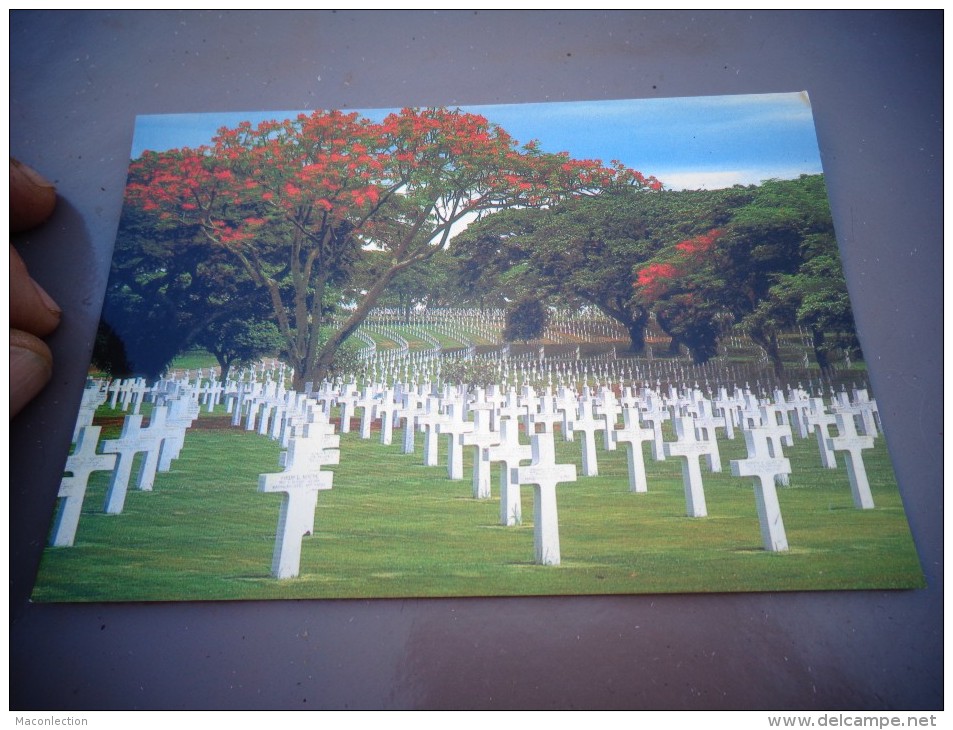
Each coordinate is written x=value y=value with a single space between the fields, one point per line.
x=32 y=175
x=29 y=373
x=48 y=301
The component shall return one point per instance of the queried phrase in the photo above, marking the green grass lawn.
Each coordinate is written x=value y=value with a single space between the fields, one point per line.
x=393 y=527
x=194 y=360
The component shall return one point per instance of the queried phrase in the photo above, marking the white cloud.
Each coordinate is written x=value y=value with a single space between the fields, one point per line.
x=716 y=179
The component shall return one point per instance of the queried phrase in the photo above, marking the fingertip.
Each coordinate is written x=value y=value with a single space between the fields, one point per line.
x=31 y=367
x=32 y=197
x=49 y=303
x=32 y=309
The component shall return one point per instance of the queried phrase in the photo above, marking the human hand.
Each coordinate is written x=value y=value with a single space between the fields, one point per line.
x=33 y=313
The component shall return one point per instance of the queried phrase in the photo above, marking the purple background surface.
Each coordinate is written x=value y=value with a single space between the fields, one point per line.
x=78 y=79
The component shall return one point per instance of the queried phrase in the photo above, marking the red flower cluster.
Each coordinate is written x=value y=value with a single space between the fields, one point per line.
x=321 y=168
x=655 y=280
x=700 y=244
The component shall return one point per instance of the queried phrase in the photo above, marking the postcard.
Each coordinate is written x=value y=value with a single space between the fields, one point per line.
x=599 y=347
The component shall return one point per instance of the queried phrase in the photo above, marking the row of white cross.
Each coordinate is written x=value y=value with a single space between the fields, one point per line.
x=764 y=424
x=494 y=430
x=488 y=324
x=488 y=420
x=160 y=443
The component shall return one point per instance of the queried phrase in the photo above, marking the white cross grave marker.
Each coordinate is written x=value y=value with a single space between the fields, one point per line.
x=777 y=431
x=134 y=395
x=346 y=400
x=852 y=443
x=869 y=411
x=481 y=436
x=94 y=395
x=299 y=485
x=689 y=448
x=655 y=415
x=765 y=466
x=386 y=411
x=588 y=424
x=632 y=435
x=706 y=422
x=81 y=463
x=132 y=440
x=544 y=474
x=513 y=409
x=182 y=413
x=819 y=420
x=545 y=416
x=413 y=408
x=428 y=423
x=366 y=403
x=455 y=427
x=511 y=452
x=726 y=407
x=567 y=405
x=607 y=407
x=241 y=402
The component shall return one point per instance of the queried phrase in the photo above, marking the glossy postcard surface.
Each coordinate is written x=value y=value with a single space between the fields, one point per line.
x=535 y=349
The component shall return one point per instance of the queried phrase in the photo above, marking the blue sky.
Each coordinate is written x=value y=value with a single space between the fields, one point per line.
x=692 y=142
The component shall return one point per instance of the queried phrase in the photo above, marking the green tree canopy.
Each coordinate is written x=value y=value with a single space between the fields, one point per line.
x=525 y=320
x=296 y=203
x=170 y=290
x=773 y=264
x=587 y=250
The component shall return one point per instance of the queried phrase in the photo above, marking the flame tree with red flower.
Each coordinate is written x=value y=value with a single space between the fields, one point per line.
x=586 y=251
x=773 y=266
x=677 y=286
x=296 y=202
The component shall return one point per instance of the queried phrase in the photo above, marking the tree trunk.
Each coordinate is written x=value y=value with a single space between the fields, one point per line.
x=318 y=370
x=769 y=341
x=674 y=346
x=820 y=353
x=775 y=354
x=634 y=321
x=636 y=329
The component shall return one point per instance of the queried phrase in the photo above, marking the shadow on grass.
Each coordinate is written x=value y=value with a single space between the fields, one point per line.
x=790 y=551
